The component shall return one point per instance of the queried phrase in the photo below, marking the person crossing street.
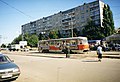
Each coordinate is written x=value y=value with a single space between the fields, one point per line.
x=99 y=53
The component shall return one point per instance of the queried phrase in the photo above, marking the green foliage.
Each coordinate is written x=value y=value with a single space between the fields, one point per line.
x=53 y=35
x=9 y=45
x=40 y=36
x=59 y=35
x=17 y=39
x=75 y=32
x=108 y=23
x=3 y=46
x=92 y=31
x=33 y=40
x=26 y=36
x=97 y=32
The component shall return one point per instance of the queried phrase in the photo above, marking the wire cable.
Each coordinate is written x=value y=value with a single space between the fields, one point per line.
x=16 y=9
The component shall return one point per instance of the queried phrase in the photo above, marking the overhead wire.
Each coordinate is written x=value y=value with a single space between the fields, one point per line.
x=33 y=17
x=16 y=9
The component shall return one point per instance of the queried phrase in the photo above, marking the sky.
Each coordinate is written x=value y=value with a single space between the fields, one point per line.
x=14 y=13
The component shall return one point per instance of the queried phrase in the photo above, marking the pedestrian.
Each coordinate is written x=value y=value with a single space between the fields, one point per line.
x=99 y=53
x=67 y=51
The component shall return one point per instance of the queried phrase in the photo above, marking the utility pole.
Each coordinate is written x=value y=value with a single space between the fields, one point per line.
x=71 y=26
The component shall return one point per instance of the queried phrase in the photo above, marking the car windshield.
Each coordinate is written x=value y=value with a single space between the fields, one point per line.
x=4 y=59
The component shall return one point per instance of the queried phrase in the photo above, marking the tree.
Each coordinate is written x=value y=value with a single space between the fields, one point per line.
x=17 y=39
x=108 y=23
x=97 y=32
x=9 y=45
x=92 y=31
x=40 y=36
x=75 y=32
x=33 y=40
x=26 y=36
x=53 y=35
x=59 y=35
x=3 y=46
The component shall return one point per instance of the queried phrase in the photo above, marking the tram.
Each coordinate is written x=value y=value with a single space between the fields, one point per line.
x=75 y=44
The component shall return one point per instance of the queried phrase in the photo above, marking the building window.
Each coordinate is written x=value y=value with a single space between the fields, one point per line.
x=87 y=6
x=96 y=22
x=82 y=17
x=82 y=22
x=81 y=8
x=86 y=11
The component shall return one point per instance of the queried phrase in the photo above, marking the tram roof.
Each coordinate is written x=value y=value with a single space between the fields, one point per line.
x=66 y=38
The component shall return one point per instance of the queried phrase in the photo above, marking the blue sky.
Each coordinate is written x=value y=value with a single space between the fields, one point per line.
x=11 y=19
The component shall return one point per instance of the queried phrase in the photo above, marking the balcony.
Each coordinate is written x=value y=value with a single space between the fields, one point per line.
x=68 y=19
x=94 y=5
x=94 y=9
x=94 y=13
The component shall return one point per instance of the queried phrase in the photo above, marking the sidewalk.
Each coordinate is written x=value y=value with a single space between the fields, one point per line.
x=107 y=54
x=110 y=54
x=115 y=55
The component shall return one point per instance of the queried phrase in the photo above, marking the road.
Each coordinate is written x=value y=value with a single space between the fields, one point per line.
x=44 y=69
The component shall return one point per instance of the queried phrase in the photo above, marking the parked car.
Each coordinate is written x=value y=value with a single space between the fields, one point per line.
x=117 y=47
x=107 y=48
x=15 y=47
x=9 y=71
x=24 y=49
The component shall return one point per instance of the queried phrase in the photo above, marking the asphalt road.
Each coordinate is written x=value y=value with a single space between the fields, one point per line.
x=44 y=69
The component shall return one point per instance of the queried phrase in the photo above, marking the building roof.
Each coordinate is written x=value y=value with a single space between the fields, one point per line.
x=113 y=37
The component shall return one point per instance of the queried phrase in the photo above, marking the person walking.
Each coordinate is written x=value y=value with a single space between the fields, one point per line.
x=99 y=53
x=67 y=51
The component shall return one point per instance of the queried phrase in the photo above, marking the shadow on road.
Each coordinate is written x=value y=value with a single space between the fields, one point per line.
x=46 y=56
x=90 y=61
x=47 y=52
x=56 y=52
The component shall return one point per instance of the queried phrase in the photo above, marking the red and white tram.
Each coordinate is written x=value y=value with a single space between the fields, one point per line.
x=76 y=44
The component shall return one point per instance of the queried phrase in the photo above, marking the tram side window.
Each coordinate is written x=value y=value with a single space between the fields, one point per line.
x=41 y=44
x=47 y=43
x=73 y=42
x=84 y=41
x=56 y=42
x=60 y=42
x=44 y=43
x=80 y=42
x=63 y=42
x=51 y=42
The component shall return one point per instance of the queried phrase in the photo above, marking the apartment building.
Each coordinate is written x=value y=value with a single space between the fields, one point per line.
x=66 y=21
